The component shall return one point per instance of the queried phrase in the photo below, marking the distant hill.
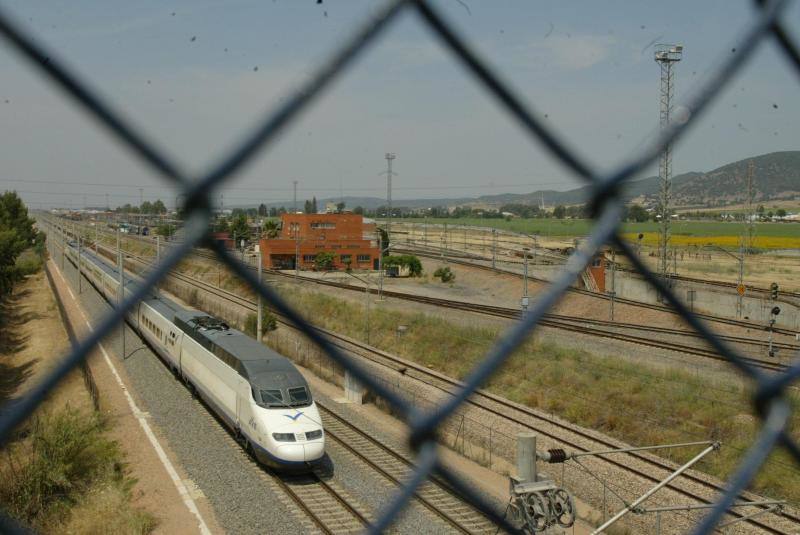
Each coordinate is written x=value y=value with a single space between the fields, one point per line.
x=776 y=176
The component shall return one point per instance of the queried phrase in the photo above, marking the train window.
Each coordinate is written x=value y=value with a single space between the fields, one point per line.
x=271 y=398
x=298 y=397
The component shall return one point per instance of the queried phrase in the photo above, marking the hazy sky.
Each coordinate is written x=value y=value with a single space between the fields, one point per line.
x=196 y=75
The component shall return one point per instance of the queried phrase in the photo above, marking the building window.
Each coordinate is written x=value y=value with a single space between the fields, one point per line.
x=322 y=224
x=363 y=258
x=345 y=258
x=309 y=257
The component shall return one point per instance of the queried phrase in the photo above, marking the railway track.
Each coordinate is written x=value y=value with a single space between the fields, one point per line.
x=396 y=467
x=516 y=249
x=527 y=418
x=620 y=300
x=576 y=325
x=592 y=327
x=330 y=512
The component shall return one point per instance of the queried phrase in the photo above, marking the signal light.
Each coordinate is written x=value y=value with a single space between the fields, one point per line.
x=773 y=288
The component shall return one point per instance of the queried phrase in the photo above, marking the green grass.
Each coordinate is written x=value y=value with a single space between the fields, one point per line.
x=63 y=475
x=634 y=403
x=582 y=227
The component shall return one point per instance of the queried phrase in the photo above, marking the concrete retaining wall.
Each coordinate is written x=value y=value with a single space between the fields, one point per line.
x=708 y=299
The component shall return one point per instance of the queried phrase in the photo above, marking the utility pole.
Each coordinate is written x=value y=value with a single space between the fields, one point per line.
x=141 y=198
x=740 y=281
x=380 y=266
x=294 y=198
x=108 y=206
x=79 y=265
x=389 y=157
x=260 y=304
x=158 y=248
x=296 y=227
x=524 y=301
x=613 y=292
x=666 y=56
x=751 y=215
x=121 y=293
x=494 y=248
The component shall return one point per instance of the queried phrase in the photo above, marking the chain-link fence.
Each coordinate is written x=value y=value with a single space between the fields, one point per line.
x=198 y=191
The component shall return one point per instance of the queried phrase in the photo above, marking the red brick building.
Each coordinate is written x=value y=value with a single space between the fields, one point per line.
x=352 y=241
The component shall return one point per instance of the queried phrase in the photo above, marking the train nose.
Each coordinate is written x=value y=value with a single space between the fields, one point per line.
x=314 y=451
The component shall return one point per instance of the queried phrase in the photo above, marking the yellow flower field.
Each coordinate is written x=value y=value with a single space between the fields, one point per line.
x=728 y=242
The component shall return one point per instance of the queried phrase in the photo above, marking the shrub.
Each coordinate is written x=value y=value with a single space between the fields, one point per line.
x=268 y=323
x=445 y=274
x=62 y=461
x=324 y=261
x=411 y=261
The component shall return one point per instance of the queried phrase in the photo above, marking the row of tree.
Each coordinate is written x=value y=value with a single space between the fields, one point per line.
x=147 y=207
x=633 y=212
x=16 y=234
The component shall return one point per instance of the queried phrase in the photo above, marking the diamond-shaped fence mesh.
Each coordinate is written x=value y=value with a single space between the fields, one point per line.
x=198 y=191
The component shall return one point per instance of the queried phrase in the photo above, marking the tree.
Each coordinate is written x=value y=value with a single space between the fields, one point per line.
x=14 y=216
x=262 y=209
x=165 y=230
x=780 y=212
x=358 y=210
x=159 y=208
x=636 y=212
x=314 y=209
x=324 y=261
x=411 y=261
x=271 y=229
x=384 y=242
x=16 y=235
x=340 y=207
x=221 y=225
x=444 y=274
x=146 y=207
x=239 y=228
x=559 y=211
x=307 y=207
x=273 y=212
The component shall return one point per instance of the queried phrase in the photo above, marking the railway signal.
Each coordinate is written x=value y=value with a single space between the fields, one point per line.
x=774 y=312
x=773 y=290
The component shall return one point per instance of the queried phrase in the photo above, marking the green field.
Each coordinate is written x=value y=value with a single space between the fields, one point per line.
x=582 y=227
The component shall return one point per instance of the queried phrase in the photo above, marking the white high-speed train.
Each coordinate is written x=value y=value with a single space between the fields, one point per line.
x=257 y=392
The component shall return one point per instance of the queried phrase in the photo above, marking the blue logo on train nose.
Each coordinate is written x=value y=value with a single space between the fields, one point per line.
x=295 y=417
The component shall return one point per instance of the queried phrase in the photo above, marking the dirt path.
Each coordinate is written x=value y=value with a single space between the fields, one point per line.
x=32 y=339
x=161 y=486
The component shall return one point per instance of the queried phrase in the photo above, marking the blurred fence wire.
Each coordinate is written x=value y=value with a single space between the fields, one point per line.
x=766 y=24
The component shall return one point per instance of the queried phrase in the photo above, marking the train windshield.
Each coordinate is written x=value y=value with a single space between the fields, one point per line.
x=299 y=397
x=272 y=398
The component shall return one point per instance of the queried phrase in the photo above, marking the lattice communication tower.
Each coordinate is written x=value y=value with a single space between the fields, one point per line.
x=666 y=56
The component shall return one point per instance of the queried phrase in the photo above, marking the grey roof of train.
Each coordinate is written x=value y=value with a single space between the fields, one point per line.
x=265 y=368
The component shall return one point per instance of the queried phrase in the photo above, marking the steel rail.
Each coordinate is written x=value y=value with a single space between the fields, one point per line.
x=436 y=509
x=309 y=510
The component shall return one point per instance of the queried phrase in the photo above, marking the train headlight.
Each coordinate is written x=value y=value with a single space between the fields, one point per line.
x=314 y=435
x=283 y=437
